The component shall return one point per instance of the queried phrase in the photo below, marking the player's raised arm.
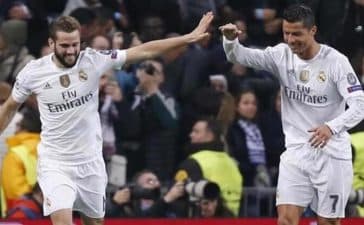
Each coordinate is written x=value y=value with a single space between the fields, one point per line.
x=154 y=48
x=7 y=112
x=237 y=53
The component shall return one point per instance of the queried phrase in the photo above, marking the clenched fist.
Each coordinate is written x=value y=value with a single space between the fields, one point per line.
x=230 y=31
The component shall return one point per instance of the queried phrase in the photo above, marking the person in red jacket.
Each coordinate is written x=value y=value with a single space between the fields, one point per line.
x=29 y=206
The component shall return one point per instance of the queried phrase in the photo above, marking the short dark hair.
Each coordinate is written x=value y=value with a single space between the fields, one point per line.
x=214 y=126
x=66 y=24
x=300 y=13
x=31 y=121
x=244 y=90
x=85 y=16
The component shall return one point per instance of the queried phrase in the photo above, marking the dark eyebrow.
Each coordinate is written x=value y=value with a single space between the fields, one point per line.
x=66 y=44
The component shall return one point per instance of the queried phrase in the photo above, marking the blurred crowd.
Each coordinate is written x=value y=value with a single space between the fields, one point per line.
x=183 y=134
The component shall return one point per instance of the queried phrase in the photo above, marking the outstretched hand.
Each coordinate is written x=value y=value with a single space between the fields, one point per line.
x=200 y=32
x=230 y=31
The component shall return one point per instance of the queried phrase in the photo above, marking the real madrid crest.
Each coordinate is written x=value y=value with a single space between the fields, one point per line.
x=82 y=76
x=65 y=80
x=304 y=76
x=321 y=77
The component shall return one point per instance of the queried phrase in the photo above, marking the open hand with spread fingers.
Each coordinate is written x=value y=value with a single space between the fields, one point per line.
x=200 y=32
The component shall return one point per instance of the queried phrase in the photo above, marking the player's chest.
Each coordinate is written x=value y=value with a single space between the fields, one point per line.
x=67 y=85
x=308 y=80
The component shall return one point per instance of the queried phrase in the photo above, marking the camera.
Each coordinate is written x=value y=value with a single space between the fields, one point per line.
x=148 y=68
x=138 y=192
x=356 y=197
x=202 y=189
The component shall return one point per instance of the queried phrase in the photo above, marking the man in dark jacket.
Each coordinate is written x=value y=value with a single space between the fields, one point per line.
x=152 y=121
x=143 y=198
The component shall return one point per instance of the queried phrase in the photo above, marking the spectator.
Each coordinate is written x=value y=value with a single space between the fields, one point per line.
x=213 y=208
x=350 y=37
x=126 y=77
x=219 y=82
x=191 y=10
x=13 y=53
x=110 y=96
x=143 y=198
x=18 y=11
x=159 y=116
x=29 y=206
x=273 y=136
x=245 y=141
x=206 y=102
x=152 y=28
x=5 y=90
x=167 y=10
x=19 y=165
x=72 y=5
x=206 y=159
x=100 y=42
x=105 y=24
x=88 y=21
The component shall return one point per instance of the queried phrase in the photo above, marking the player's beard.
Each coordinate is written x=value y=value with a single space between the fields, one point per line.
x=61 y=59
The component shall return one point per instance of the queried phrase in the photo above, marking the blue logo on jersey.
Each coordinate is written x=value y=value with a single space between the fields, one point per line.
x=355 y=88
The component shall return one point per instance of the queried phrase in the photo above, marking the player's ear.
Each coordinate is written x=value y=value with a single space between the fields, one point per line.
x=51 y=43
x=314 y=30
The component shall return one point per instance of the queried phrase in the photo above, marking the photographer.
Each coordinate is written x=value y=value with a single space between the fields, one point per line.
x=208 y=161
x=143 y=199
x=156 y=116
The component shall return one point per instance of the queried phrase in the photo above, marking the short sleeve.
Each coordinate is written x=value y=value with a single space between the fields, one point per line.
x=347 y=82
x=108 y=59
x=21 y=89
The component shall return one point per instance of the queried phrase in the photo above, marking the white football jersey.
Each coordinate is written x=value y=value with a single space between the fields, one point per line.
x=68 y=103
x=314 y=92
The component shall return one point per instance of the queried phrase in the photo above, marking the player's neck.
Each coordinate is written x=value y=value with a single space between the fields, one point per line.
x=56 y=62
x=311 y=51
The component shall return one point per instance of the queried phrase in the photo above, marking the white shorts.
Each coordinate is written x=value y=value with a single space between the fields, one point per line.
x=311 y=177
x=78 y=187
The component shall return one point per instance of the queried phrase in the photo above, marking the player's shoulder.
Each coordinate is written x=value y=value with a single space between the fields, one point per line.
x=279 y=51
x=281 y=46
x=92 y=52
x=89 y=51
x=36 y=64
x=35 y=67
x=332 y=54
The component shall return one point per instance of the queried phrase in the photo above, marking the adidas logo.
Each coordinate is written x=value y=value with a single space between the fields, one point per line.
x=47 y=86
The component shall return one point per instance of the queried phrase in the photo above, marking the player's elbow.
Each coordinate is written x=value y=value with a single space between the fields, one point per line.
x=357 y=103
x=231 y=57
